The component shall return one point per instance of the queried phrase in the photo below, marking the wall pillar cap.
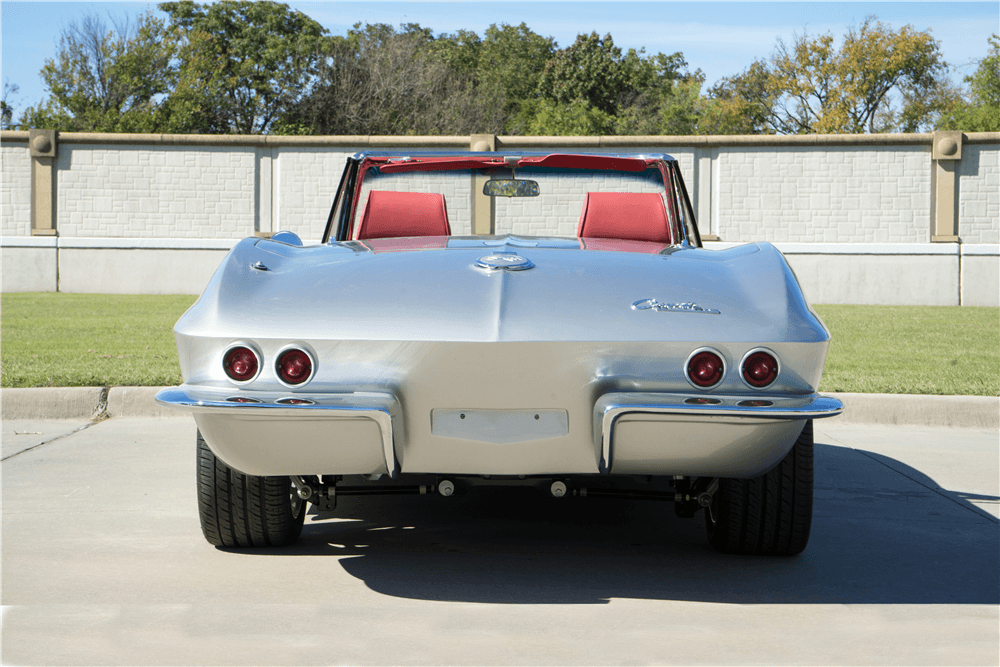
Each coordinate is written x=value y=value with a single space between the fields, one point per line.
x=482 y=143
x=43 y=143
x=947 y=145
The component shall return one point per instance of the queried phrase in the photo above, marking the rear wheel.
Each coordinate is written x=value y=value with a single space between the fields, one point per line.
x=239 y=510
x=767 y=515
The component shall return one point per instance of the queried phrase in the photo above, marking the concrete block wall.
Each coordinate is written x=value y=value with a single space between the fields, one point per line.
x=130 y=191
x=15 y=190
x=830 y=194
x=979 y=198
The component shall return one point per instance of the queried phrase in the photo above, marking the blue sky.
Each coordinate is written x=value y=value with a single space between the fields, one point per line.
x=720 y=38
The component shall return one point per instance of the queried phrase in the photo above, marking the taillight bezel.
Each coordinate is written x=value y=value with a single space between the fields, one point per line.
x=722 y=375
x=746 y=357
x=258 y=357
x=296 y=348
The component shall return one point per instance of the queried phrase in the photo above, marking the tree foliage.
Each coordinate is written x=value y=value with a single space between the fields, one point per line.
x=242 y=64
x=7 y=105
x=877 y=80
x=107 y=80
x=381 y=81
x=260 y=67
x=979 y=111
x=592 y=87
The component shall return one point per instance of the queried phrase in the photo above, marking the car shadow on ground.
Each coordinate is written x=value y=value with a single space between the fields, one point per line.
x=883 y=533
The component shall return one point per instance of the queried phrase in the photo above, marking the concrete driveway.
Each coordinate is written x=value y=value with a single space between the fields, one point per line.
x=104 y=563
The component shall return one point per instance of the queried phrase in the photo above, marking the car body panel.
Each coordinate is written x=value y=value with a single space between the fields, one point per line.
x=429 y=361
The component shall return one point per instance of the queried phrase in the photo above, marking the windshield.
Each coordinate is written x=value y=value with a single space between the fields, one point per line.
x=556 y=207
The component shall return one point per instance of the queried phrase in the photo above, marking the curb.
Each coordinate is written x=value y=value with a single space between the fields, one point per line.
x=920 y=410
x=82 y=403
x=889 y=409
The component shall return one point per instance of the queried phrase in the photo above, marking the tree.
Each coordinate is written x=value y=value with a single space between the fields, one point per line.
x=105 y=80
x=7 y=105
x=980 y=110
x=381 y=81
x=591 y=87
x=593 y=71
x=741 y=104
x=511 y=62
x=242 y=64
x=878 y=80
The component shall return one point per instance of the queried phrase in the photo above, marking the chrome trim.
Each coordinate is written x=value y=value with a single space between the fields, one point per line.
x=755 y=403
x=295 y=400
x=260 y=266
x=379 y=407
x=687 y=307
x=747 y=356
x=504 y=261
x=285 y=236
x=312 y=364
x=722 y=378
x=610 y=407
x=256 y=352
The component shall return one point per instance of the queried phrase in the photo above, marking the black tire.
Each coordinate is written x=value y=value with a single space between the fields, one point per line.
x=768 y=515
x=239 y=510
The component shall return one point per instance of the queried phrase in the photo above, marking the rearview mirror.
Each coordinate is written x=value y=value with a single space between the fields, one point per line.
x=506 y=187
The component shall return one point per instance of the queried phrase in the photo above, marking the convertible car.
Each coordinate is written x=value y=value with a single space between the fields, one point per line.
x=487 y=318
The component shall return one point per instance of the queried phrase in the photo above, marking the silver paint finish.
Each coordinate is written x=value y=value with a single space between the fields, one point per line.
x=573 y=295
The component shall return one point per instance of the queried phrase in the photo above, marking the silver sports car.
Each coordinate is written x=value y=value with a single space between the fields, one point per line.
x=487 y=318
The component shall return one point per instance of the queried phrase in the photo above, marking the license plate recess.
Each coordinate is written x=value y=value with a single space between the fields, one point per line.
x=499 y=426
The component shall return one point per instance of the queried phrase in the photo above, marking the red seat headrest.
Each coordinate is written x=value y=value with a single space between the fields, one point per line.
x=397 y=214
x=635 y=216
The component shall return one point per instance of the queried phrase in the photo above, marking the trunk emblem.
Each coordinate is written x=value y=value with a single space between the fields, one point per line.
x=504 y=261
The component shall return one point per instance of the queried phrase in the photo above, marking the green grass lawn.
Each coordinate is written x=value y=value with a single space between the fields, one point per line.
x=912 y=349
x=81 y=340
x=71 y=340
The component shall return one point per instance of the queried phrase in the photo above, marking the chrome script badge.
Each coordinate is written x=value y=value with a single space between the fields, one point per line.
x=653 y=304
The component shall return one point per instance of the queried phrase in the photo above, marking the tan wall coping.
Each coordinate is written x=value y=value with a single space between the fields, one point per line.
x=503 y=142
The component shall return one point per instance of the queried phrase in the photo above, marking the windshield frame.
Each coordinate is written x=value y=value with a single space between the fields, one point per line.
x=342 y=222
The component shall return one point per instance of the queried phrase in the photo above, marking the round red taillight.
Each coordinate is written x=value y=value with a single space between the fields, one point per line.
x=294 y=366
x=759 y=369
x=705 y=369
x=241 y=364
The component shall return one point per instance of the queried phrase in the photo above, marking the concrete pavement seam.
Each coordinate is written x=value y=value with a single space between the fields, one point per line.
x=58 y=437
x=938 y=490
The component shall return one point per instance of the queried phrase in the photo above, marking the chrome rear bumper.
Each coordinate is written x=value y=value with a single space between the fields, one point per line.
x=261 y=433
x=701 y=435
x=267 y=436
